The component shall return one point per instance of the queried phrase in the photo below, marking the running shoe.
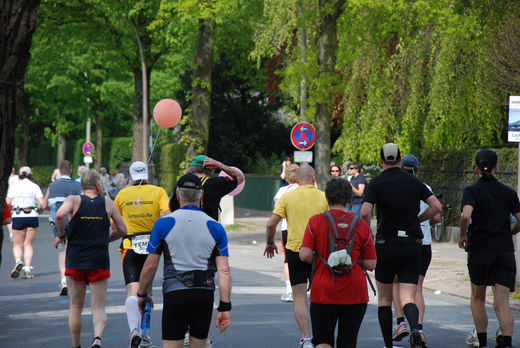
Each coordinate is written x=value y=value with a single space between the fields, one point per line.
x=416 y=341
x=63 y=289
x=135 y=339
x=472 y=339
x=306 y=342
x=400 y=332
x=209 y=344
x=16 y=270
x=146 y=342
x=96 y=343
x=423 y=336
x=187 y=339
x=499 y=339
x=287 y=297
x=27 y=272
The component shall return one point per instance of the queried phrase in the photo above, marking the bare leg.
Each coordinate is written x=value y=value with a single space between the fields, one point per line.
x=98 y=293
x=174 y=344
x=197 y=343
x=301 y=312
x=419 y=299
x=478 y=307
x=28 y=245
x=61 y=264
x=502 y=310
x=396 y=300
x=18 y=241
x=77 y=299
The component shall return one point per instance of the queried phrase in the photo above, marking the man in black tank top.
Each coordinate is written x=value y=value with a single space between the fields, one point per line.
x=87 y=260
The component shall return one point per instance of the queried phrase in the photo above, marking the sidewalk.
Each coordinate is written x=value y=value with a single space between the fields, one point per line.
x=447 y=274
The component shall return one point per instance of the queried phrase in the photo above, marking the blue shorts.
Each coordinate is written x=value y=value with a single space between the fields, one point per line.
x=21 y=223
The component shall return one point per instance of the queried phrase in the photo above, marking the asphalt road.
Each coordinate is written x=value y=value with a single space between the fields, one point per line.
x=32 y=313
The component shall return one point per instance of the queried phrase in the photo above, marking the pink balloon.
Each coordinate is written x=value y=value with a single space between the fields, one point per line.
x=239 y=188
x=167 y=113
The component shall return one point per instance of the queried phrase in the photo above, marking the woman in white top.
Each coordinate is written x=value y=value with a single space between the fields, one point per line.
x=23 y=197
x=290 y=177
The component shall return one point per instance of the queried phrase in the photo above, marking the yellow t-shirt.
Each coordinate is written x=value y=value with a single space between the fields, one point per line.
x=141 y=206
x=297 y=206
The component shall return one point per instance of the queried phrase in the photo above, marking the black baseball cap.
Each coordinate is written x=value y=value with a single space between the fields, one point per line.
x=486 y=159
x=190 y=181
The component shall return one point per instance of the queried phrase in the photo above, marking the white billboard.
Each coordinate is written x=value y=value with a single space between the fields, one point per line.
x=513 y=124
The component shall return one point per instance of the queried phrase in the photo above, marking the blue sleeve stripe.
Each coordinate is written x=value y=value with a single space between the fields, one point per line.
x=160 y=230
x=220 y=236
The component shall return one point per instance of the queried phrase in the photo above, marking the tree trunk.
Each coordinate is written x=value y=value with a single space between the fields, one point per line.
x=23 y=141
x=137 y=143
x=99 y=140
x=327 y=48
x=17 y=25
x=62 y=147
x=201 y=103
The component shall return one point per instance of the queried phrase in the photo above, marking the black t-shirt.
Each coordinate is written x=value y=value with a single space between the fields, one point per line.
x=490 y=228
x=214 y=189
x=396 y=195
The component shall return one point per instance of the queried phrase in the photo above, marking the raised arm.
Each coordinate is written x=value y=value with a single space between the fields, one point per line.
x=210 y=163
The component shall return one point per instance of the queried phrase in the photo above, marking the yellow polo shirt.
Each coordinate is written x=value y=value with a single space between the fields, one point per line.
x=141 y=206
x=297 y=206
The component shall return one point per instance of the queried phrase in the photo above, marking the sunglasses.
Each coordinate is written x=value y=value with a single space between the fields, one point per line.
x=350 y=168
x=334 y=171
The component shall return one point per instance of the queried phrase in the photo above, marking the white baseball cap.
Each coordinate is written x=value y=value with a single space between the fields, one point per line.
x=25 y=169
x=139 y=171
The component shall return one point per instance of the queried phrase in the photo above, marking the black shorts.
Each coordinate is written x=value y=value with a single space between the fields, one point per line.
x=426 y=259
x=21 y=223
x=401 y=256
x=324 y=318
x=489 y=268
x=284 y=243
x=299 y=271
x=187 y=309
x=132 y=265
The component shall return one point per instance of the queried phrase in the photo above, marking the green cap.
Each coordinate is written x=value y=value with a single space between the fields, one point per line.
x=198 y=160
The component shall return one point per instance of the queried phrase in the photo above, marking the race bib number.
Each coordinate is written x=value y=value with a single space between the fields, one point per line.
x=140 y=243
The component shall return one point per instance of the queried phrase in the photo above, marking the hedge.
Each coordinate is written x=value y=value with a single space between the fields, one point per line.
x=449 y=172
x=169 y=159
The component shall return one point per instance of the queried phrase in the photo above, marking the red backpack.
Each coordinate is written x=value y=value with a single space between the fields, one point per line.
x=343 y=226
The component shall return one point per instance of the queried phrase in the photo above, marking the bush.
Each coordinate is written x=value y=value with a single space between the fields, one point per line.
x=42 y=175
x=168 y=161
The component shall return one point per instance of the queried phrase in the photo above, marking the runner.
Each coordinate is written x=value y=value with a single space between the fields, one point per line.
x=56 y=194
x=396 y=195
x=297 y=206
x=340 y=300
x=194 y=245
x=290 y=177
x=87 y=260
x=140 y=204
x=486 y=234
x=24 y=197
x=215 y=187
x=410 y=164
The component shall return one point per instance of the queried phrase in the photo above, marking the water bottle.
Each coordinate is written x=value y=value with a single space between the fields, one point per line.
x=145 y=321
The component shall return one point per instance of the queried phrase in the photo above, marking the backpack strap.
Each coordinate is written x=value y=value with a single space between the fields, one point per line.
x=203 y=181
x=353 y=227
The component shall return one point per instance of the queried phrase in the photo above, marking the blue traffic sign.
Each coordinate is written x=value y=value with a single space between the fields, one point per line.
x=303 y=136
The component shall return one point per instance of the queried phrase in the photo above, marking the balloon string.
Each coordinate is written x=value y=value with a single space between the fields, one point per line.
x=154 y=143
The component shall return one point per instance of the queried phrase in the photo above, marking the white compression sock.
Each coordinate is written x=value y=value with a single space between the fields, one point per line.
x=132 y=313
x=288 y=287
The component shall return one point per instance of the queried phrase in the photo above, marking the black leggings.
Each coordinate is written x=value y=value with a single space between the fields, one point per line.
x=324 y=318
